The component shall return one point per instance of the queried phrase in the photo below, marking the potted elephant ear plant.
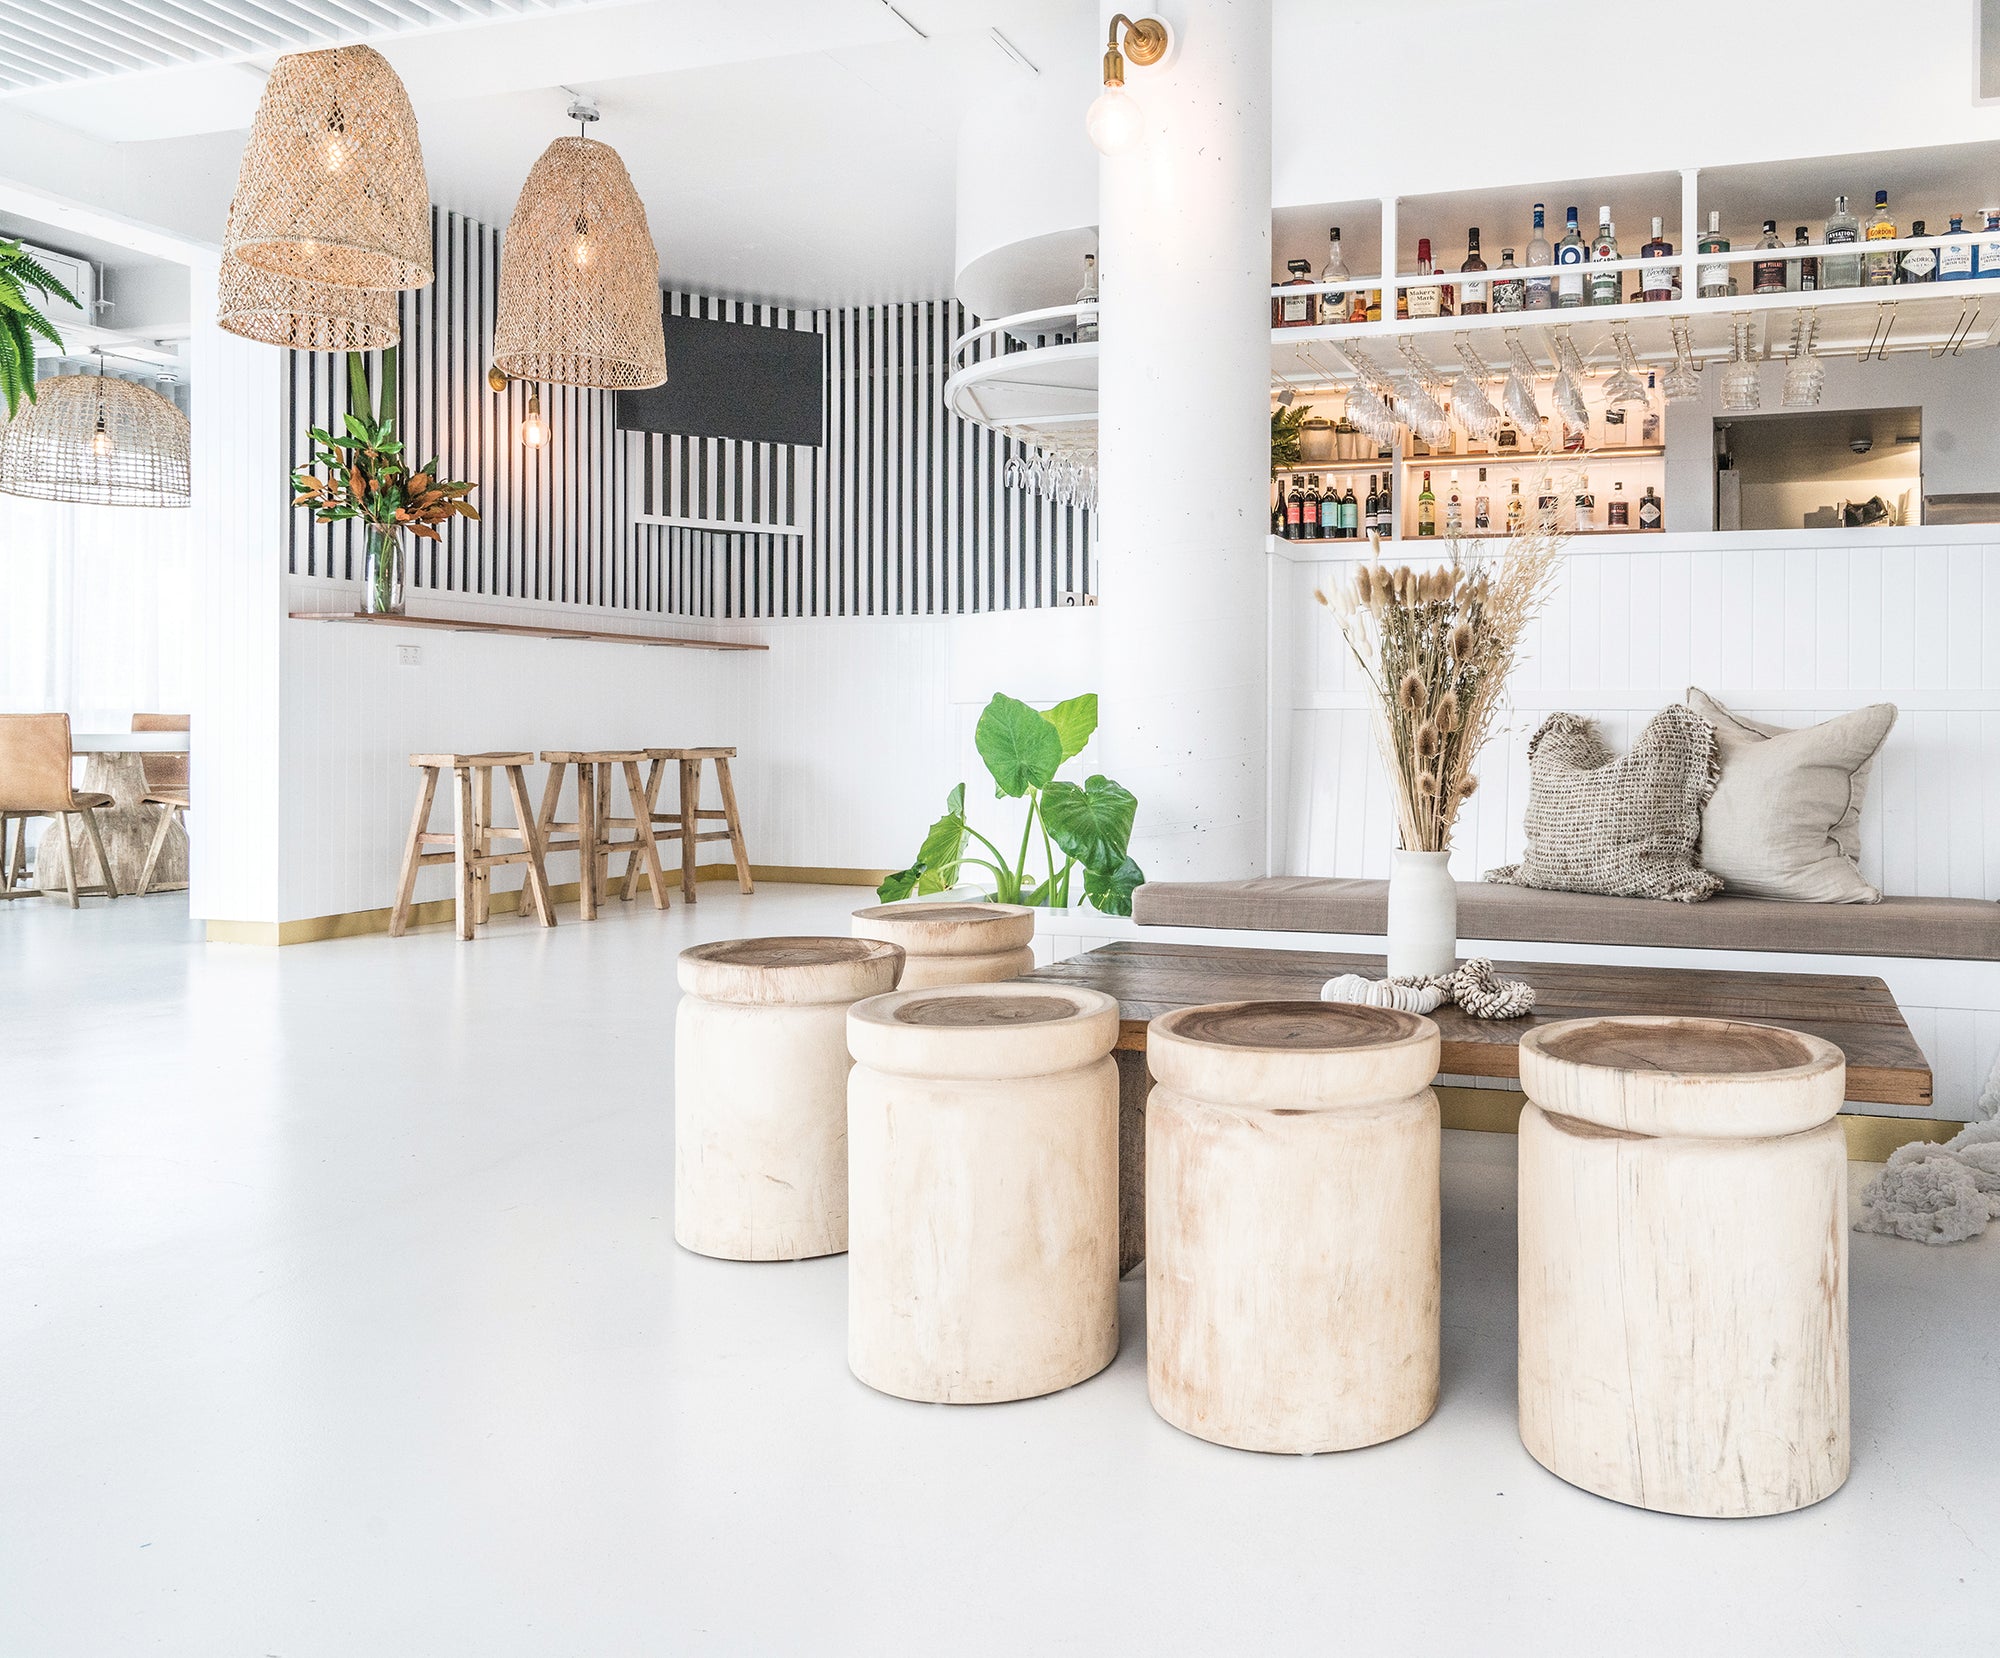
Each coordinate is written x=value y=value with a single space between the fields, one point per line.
x=1077 y=833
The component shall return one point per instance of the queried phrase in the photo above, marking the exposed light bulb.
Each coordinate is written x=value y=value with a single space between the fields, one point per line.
x=581 y=253
x=534 y=430
x=1114 y=121
x=334 y=155
x=100 y=441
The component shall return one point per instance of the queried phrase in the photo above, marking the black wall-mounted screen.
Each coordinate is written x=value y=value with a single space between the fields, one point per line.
x=734 y=380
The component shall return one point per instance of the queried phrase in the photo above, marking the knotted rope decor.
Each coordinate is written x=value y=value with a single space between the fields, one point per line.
x=1473 y=986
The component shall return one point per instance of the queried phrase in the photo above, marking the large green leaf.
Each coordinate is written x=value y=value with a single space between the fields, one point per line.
x=1074 y=721
x=1093 y=824
x=937 y=859
x=1020 y=748
x=1110 y=890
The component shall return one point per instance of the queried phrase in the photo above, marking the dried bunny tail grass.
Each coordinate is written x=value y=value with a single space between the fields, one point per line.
x=1461 y=641
x=1364 y=585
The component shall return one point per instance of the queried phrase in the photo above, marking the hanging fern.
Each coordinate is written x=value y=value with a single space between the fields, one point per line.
x=21 y=322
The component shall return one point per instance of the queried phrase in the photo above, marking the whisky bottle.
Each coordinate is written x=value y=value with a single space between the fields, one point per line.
x=1541 y=291
x=1841 y=227
x=1517 y=510
x=1426 y=509
x=1712 y=281
x=1656 y=276
x=1423 y=298
x=1802 y=275
x=1482 y=507
x=1650 y=517
x=1606 y=287
x=1768 y=275
x=1879 y=270
x=1472 y=295
x=1295 y=310
x=1917 y=264
x=1509 y=293
x=1570 y=251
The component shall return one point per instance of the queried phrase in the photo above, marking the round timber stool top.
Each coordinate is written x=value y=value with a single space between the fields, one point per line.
x=949 y=927
x=1661 y=1075
x=794 y=971
x=983 y=1032
x=1293 y=1055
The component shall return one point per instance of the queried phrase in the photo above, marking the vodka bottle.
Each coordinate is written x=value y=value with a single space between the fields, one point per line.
x=1086 y=300
x=1541 y=290
x=1571 y=250
x=1842 y=271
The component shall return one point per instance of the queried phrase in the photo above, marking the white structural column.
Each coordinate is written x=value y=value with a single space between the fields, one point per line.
x=1184 y=460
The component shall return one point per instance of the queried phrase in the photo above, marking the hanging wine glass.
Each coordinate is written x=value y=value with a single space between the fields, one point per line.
x=1624 y=386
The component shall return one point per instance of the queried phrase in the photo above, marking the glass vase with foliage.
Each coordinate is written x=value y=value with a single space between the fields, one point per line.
x=21 y=320
x=1089 y=823
x=364 y=476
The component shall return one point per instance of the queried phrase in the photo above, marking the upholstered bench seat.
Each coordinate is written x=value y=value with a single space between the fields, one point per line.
x=1938 y=929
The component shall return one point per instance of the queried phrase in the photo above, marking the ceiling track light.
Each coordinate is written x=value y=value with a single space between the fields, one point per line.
x=1115 y=121
x=900 y=18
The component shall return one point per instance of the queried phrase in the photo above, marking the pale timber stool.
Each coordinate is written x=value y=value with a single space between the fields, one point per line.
x=1292 y=1286
x=595 y=822
x=982 y=1147
x=684 y=822
x=471 y=838
x=953 y=942
x=760 y=1092
x=1683 y=1261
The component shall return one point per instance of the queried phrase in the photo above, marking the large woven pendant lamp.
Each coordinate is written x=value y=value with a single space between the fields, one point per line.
x=579 y=277
x=104 y=442
x=304 y=316
x=332 y=186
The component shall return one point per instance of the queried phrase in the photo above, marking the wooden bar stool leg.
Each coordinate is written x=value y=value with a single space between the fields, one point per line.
x=406 y=883
x=648 y=848
x=586 y=835
x=482 y=845
x=537 y=883
x=690 y=824
x=464 y=829
x=652 y=796
x=734 y=825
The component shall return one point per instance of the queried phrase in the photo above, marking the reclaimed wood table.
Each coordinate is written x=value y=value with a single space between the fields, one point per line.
x=1855 y=1013
x=114 y=764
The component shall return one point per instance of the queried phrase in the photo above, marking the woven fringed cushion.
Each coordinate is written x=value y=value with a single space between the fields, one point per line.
x=1624 y=826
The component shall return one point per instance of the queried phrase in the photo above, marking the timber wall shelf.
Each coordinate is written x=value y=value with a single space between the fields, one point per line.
x=726 y=526
x=520 y=630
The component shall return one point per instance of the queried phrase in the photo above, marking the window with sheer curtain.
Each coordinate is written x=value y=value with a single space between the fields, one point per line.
x=95 y=611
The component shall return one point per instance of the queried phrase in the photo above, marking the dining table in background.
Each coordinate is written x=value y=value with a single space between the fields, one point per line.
x=114 y=764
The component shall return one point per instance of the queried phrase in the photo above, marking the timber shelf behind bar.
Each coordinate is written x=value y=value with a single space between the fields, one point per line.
x=520 y=630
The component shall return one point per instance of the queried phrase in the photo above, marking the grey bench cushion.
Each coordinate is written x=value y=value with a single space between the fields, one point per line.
x=1946 y=929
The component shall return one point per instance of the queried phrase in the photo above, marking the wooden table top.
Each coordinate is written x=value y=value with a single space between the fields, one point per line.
x=1856 y=1014
x=128 y=742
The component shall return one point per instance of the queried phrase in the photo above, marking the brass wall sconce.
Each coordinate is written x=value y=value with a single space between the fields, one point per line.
x=1115 y=121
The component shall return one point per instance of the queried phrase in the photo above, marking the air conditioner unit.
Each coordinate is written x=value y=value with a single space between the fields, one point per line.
x=74 y=274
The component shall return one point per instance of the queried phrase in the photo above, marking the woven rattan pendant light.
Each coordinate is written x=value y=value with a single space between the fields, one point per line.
x=304 y=316
x=332 y=185
x=579 y=277
x=102 y=441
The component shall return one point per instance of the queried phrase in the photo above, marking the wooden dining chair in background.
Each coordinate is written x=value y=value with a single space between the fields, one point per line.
x=35 y=781
x=166 y=788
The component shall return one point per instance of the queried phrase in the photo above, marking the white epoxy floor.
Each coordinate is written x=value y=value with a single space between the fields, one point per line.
x=340 y=1316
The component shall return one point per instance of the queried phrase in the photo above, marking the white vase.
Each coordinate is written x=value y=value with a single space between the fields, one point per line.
x=1423 y=916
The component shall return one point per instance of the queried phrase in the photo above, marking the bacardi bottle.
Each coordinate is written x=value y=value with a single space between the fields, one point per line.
x=1454 y=510
x=1606 y=287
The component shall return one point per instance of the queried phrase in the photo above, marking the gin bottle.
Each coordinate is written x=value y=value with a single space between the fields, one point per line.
x=1880 y=269
x=1570 y=252
x=1843 y=271
x=1509 y=293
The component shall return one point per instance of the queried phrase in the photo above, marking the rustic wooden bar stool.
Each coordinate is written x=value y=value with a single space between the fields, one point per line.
x=1683 y=1261
x=595 y=822
x=471 y=838
x=684 y=822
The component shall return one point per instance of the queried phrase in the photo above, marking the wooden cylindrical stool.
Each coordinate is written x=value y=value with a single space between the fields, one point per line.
x=982 y=1139
x=1292 y=1224
x=952 y=941
x=760 y=1092
x=1684 y=1263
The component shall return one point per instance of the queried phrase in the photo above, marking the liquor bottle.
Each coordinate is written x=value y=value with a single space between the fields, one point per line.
x=1350 y=514
x=1454 y=510
x=1295 y=510
x=1472 y=295
x=1278 y=527
x=1426 y=509
x=1309 y=511
x=1340 y=509
x=1802 y=275
x=1371 y=507
x=1618 y=510
x=1295 y=310
x=1482 y=507
x=1509 y=293
x=1986 y=253
x=1586 y=505
x=1917 y=264
x=1712 y=281
x=1385 y=513
x=1768 y=275
x=1649 y=428
x=1541 y=293
x=1086 y=300
x=1841 y=227
x=1334 y=307
x=1606 y=287
x=1955 y=253
x=1650 y=515
x=1545 y=505
x=1656 y=278
x=1880 y=268
x=1570 y=251
x=1517 y=510
x=1423 y=298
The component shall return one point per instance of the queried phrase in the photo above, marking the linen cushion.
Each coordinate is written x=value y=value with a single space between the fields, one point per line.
x=1626 y=827
x=1785 y=819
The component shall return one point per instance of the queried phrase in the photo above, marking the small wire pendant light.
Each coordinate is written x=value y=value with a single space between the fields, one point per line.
x=304 y=316
x=579 y=276
x=332 y=186
x=102 y=442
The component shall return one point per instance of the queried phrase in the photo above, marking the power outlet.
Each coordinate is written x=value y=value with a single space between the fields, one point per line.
x=410 y=656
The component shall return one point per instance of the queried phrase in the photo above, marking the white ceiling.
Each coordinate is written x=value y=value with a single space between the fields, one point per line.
x=798 y=151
